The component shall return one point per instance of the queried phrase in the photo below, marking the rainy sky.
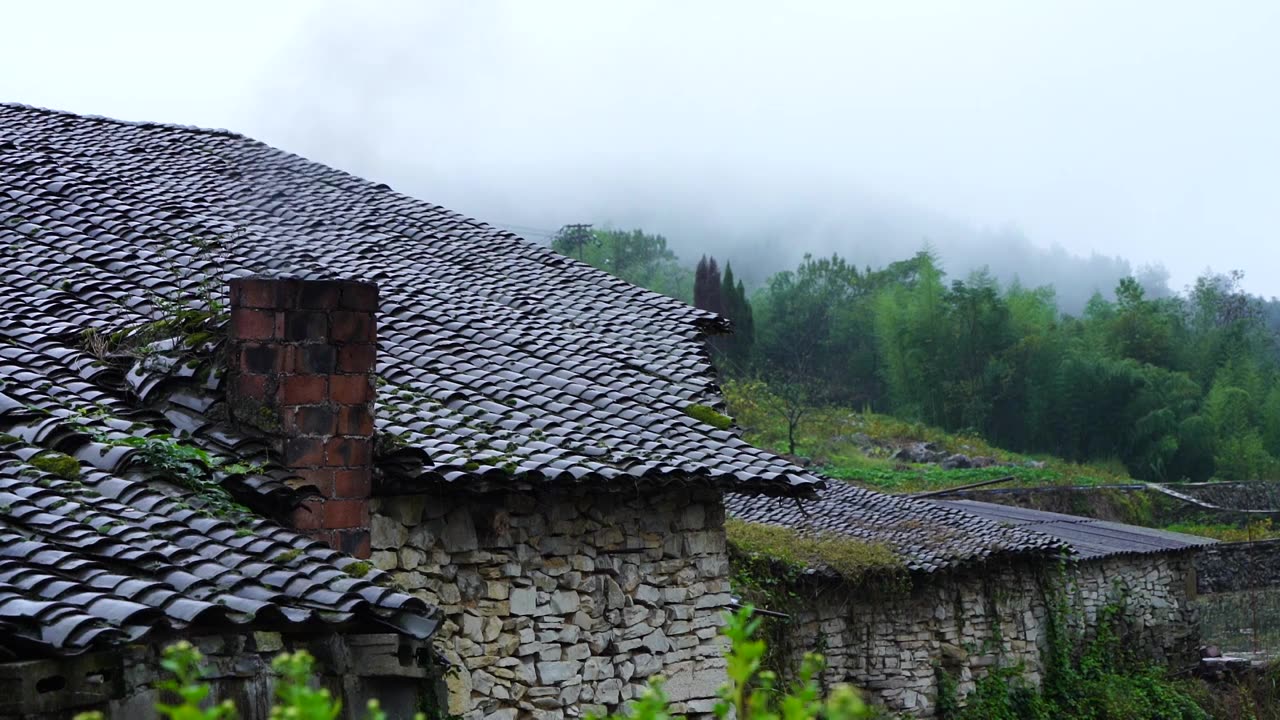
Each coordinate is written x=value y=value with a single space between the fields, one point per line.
x=1059 y=141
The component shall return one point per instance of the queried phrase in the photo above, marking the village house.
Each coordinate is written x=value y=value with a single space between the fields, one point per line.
x=258 y=402
x=979 y=593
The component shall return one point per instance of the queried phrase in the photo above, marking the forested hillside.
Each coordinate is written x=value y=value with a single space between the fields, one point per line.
x=1177 y=387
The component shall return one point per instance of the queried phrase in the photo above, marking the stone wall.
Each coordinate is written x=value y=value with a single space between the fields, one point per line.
x=1225 y=567
x=123 y=683
x=892 y=644
x=559 y=602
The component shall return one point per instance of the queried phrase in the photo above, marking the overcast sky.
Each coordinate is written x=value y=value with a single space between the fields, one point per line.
x=1149 y=130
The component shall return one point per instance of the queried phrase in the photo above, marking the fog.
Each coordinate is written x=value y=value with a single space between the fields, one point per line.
x=1064 y=142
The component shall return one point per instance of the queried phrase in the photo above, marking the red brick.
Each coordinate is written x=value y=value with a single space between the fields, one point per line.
x=346 y=514
x=312 y=359
x=261 y=359
x=351 y=327
x=354 y=542
x=323 y=480
x=253 y=387
x=348 y=452
x=250 y=324
x=354 y=420
x=310 y=515
x=303 y=390
x=256 y=292
x=360 y=358
x=352 y=483
x=306 y=326
x=320 y=294
x=311 y=420
x=350 y=389
x=360 y=296
x=304 y=452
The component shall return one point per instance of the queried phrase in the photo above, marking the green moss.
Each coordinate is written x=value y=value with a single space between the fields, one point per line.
x=287 y=556
x=56 y=463
x=358 y=569
x=708 y=415
x=268 y=418
x=7 y=439
x=471 y=466
x=851 y=558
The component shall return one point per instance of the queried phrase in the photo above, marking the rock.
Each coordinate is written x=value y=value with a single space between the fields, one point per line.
x=524 y=601
x=647 y=665
x=596 y=669
x=482 y=682
x=550 y=673
x=613 y=595
x=492 y=629
x=268 y=642
x=919 y=453
x=957 y=462
x=656 y=642
x=609 y=691
x=647 y=594
x=387 y=532
x=411 y=558
x=564 y=602
x=459 y=531
x=473 y=628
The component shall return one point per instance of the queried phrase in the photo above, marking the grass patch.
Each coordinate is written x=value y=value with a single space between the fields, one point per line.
x=708 y=415
x=855 y=446
x=850 y=557
x=1262 y=529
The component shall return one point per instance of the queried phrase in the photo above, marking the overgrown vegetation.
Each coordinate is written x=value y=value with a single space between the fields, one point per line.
x=1100 y=679
x=1262 y=529
x=852 y=558
x=857 y=445
x=193 y=468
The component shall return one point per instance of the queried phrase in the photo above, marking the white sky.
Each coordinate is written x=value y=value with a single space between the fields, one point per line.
x=1149 y=130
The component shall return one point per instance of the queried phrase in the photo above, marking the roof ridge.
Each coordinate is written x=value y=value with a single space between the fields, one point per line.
x=132 y=123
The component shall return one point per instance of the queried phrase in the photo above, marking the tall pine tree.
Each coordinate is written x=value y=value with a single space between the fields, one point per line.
x=728 y=298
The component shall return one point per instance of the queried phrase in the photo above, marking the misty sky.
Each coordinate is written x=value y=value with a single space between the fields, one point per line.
x=1148 y=130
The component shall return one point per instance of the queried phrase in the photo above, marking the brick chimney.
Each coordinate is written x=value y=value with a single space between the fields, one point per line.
x=301 y=360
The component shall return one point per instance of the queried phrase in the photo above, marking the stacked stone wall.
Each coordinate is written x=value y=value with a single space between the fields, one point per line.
x=1228 y=567
x=964 y=623
x=561 y=602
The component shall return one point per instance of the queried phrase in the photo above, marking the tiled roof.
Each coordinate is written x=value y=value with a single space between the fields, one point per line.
x=102 y=559
x=1089 y=538
x=501 y=361
x=928 y=536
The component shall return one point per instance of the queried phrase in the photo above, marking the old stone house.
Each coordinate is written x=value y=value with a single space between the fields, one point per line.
x=255 y=401
x=204 y=339
x=981 y=588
